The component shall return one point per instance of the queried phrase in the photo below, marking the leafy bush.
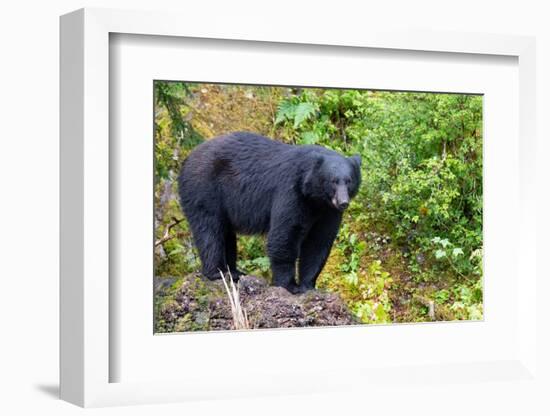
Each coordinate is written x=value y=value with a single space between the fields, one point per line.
x=414 y=231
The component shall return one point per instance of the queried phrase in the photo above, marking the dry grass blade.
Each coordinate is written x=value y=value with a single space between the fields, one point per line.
x=240 y=319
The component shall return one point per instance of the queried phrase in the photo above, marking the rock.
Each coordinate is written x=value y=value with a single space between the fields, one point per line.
x=194 y=304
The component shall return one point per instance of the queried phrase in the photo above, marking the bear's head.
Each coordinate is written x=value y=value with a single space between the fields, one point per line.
x=333 y=179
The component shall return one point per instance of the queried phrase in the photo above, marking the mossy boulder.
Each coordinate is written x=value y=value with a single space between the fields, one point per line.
x=193 y=304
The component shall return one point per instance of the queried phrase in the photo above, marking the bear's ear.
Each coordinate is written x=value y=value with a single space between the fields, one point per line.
x=318 y=162
x=311 y=174
x=356 y=163
x=356 y=160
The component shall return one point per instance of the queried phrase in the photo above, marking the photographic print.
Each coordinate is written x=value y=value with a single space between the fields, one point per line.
x=280 y=207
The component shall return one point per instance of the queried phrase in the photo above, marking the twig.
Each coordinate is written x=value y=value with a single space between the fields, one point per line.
x=167 y=235
x=430 y=304
x=240 y=318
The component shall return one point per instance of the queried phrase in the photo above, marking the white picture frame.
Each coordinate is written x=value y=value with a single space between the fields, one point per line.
x=85 y=220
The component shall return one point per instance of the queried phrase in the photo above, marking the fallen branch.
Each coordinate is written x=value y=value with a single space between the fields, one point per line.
x=167 y=236
x=430 y=304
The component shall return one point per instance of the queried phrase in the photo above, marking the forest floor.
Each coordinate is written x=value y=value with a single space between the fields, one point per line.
x=192 y=303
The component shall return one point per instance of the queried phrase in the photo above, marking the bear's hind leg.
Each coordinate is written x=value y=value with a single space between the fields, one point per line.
x=208 y=233
x=231 y=254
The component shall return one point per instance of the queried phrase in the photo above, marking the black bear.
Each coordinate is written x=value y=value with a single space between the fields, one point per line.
x=246 y=183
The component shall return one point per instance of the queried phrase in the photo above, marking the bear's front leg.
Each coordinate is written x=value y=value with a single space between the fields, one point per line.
x=284 y=275
x=316 y=249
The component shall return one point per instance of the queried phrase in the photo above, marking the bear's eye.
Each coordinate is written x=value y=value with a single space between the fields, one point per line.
x=335 y=181
x=348 y=181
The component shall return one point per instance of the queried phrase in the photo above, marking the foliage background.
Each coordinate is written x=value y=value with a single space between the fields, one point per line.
x=410 y=248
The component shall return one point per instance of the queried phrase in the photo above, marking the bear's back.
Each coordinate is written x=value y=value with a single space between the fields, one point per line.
x=238 y=173
x=239 y=155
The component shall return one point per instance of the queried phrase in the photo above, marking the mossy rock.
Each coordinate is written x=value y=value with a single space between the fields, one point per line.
x=193 y=304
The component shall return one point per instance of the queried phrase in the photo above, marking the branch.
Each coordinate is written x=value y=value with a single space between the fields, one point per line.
x=167 y=235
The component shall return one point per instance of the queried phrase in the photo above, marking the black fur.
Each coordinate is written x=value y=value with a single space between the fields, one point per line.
x=246 y=183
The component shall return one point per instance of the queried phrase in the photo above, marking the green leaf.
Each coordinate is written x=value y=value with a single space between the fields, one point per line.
x=457 y=252
x=444 y=242
x=262 y=263
x=442 y=296
x=440 y=254
x=382 y=315
x=285 y=111
x=302 y=112
x=352 y=278
x=177 y=250
x=309 y=137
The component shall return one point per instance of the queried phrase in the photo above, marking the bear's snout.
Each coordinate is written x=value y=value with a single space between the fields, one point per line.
x=343 y=205
x=341 y=198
